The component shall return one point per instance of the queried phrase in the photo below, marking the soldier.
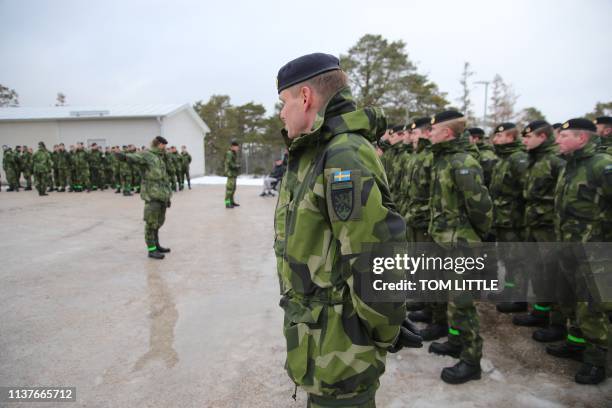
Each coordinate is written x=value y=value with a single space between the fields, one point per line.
x=95 y=166
x=583 y=210
x=604 y=131
x=42 y=164
x=72 y=168
x=81 y=169
x=543 y=169
x=393 y=158
x=62 y=160
x=10 y=166
x=54 y=178
x=487 y=157
x=507 y=182
x=460 y=216
x=26 y=166
x=178 y=167
x=330 y=161
x=186 y=160
x=155 y=192
x=125 y=173
x=116 y=166
x=232 y=167
x=136 y=171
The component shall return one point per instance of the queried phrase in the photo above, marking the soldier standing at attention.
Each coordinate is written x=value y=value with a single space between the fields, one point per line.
x=583 y=214
x=604 y=131
x=9 y=163
x=155 y=192
x=186 y=158
x=231 y=172
x=460 y=217
x=334 y=195
x=54 y=179
x=62 y=168
x=26 y=166
x=487 y=157
x=42 y=166
x=541 y=176
x=507 y=182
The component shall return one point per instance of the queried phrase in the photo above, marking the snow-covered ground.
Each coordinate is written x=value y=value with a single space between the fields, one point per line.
x=242 y=180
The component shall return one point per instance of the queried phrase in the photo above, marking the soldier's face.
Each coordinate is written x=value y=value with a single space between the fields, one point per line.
x=439 y=134
x=569 y=141
x=296 y=113
x=502 y=138
x=604 y=130
x=531 y=140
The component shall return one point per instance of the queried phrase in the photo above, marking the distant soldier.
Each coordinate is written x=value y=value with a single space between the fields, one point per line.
x=583 y=211
x=10 y=166
x=95 y=166
x=541 y=176
x=155 y=192
x=116 y=166
x=460 y=216
x=186 y=160
x=486 y=154
x=26 y=166
x=125 y=174
x=178 y=167
x=54 y=178
x=506 y=188
x=43 y=164
x=136 y=171
x=107 y=166
x=81 y=169
x=232 y=167
x=72 y=168
x=63 y=168
x=604 y=131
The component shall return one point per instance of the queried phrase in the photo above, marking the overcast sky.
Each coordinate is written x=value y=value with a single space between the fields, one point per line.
x=556 y=53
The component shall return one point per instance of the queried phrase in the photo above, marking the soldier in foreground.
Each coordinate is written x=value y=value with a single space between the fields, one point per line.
x=331 y=161
x=231 y=172
x=583 y=210
x=155 y=192
x=460 y=216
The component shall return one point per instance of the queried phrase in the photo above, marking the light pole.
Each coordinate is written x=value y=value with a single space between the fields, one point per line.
x=486 y=85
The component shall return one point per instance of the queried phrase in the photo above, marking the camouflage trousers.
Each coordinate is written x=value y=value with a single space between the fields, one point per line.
x=27 y=175
x=464 y=328
x=592 y=320
x=361 y=401
x=154 y=217
x=12 y=178
x=515 y=280
x=42 y=181
x=61 y=179
x=542 y=268
x=96 y=177
x=230 y=189
x=126 y=181
x=81 y=179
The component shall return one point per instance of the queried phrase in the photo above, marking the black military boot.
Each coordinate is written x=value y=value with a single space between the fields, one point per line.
x=445 y=349
x=42 y=193
x=590 y=374
x=10 y=189
x=235 y=204
x=549 y=334
x=189 y=184
x=530 y=320
x=566 y=350
x=511 y=307
x=461 y=372
x=229 y=205
x=159 y=247
x=434 y=331
x=28 y=188
x=424 y=316
x=156 y=254
x=127 y=193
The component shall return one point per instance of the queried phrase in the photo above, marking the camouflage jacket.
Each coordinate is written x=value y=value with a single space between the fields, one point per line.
x=540 y=182
x=9 y=161
x=460 y=206
x=401 y=165
x=605 y=145
x=507 y=181
x=41 y=161
x=62 y=160
x=583 y=197
x=487 y=159
x=95 y=159
x=155 y=183
x=80 y=160
x=186 y=160
x=26 y=162
x=231 y=164
x=177 y=162
x=333 y=214
x=418 y=183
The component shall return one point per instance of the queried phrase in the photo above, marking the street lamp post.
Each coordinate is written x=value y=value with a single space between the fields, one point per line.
x=486 y=85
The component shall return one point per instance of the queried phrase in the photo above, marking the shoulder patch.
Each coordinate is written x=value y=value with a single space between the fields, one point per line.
x=608 y=169
x=341 y=176
x=344 y=195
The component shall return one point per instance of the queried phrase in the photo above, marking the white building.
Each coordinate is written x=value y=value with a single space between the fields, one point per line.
x=107 y=126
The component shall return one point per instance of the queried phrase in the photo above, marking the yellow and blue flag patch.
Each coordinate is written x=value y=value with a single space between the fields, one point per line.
x=341 y=176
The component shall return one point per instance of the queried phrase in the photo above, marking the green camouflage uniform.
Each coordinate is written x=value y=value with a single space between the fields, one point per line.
x=543 y=169
x=54 y=180
x=95 y=168
x=401 y=167
x=178 y=168
x=63 y=165
x=583 y=213
x=42 y=164
x=487 y=159
x=507 y=184
x=460 y=213
x=186 y=160
x=11 y=169
x=155 y=191
x=125 y=174
x=393 y=159
x=231 y=172
x=605 y=145
x=334 y=212
x=81 y=170
x=26 y=168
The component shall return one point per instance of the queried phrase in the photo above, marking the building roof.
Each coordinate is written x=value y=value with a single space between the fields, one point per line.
x=87 y=112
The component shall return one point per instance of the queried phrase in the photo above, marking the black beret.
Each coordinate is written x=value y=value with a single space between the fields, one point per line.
x=445 y=116
x=579 y=124
x=305 y=67
x=398 y=128
x=234 y=142
x=535 y=125
x=556 y=125
x=476 y=131
x=603 y=120
x=504 y=126
x=161 y=140
x=420 y=122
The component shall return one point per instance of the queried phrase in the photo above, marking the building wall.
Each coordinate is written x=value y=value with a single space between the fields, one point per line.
x=180 y=129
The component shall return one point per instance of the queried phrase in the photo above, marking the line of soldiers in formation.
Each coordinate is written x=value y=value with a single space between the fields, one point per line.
x=537 y=192
x=79 y=169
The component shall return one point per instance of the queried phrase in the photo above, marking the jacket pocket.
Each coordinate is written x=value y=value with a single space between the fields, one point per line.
x=298 y=338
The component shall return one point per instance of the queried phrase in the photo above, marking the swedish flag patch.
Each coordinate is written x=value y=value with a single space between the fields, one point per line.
x=340 y=176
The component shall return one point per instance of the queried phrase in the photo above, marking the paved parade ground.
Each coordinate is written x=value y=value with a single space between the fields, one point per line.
x=83 y=306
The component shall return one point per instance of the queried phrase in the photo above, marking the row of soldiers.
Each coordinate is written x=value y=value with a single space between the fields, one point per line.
x=540 y=184
x=79 y=169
